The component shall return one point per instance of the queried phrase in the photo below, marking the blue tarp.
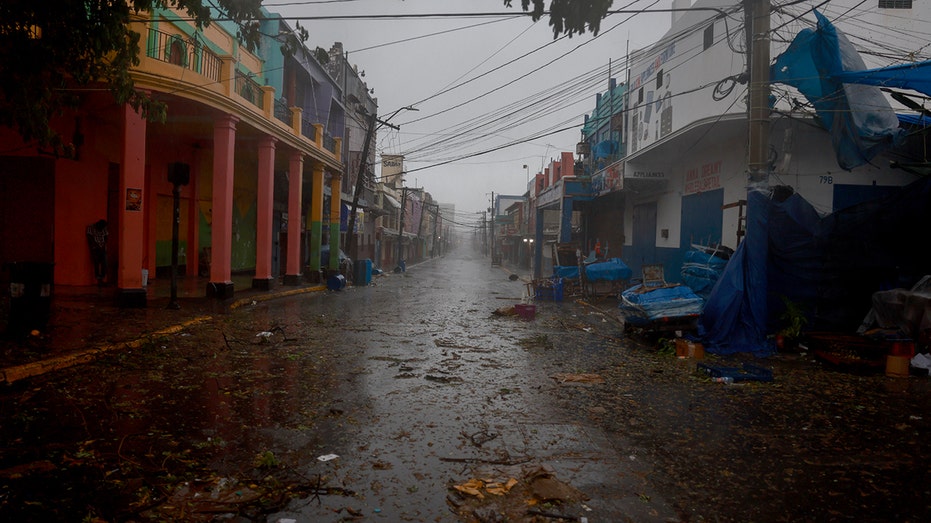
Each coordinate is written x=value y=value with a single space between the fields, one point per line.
x=915 y=76
x=610 y=270
x=820 y=63
x=639 y=303
x=569 y=272
x=701 y=271
x=735 y=316
x=829 y=266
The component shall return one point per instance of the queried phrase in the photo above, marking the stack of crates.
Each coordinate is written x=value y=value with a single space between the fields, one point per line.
x=548 y=289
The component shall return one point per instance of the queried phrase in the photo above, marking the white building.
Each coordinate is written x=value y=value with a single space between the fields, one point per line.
x=685 y=173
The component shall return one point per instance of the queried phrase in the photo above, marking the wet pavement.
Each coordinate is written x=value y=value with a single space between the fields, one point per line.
x=412 y=400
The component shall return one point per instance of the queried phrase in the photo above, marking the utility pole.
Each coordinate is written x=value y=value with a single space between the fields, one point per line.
x=360 y=180
x=360 y=184
x=436 y=219
x=484 y=235
x=400 y=267
x=493 y=211
x=758 y=25
x=404 y=191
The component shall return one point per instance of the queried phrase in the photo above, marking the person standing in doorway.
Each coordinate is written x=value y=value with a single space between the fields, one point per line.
x=97 y=240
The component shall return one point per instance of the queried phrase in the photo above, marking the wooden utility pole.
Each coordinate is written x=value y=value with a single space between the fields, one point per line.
x=360 y=180
x=436 y=219
x=360 y=184
x=493 y=210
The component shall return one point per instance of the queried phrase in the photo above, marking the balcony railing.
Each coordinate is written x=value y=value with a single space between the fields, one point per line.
x=183 y=52
x=249 y=89
x=329 y=143
x=282 y=112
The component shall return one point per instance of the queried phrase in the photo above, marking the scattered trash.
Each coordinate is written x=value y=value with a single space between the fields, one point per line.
x=507 y=310
x=578 y=379
x=921 y=361
x=747 y=372
x=479 y=487
x=327 y=457
x=689 y=349
x=264 y=334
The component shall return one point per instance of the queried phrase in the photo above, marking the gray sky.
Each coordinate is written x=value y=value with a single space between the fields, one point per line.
x=475 y=89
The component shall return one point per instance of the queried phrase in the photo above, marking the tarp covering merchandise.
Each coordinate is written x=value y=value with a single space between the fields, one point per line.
x=830 y=266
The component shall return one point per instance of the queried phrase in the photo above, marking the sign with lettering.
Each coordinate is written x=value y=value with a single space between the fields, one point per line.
x=647 y=175
x=705 y=178
x=609 y=179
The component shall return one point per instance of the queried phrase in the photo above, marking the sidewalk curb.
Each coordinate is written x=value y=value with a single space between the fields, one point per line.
x=15 y=373
x=28 y=370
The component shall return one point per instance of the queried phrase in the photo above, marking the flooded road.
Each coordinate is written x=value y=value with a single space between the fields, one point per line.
x=411 y=400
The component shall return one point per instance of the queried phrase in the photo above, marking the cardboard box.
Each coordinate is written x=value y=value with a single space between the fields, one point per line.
x=689 y=349
x=897 y=366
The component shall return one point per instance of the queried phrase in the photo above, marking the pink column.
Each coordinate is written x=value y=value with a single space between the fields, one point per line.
x=296 y=173
x=265 y=196
x=131 y=227
x=224 y=148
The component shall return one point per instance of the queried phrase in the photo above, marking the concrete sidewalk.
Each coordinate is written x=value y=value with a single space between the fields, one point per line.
x=85 y=322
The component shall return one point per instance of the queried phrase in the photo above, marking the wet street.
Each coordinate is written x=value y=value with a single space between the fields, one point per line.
x=411 y=400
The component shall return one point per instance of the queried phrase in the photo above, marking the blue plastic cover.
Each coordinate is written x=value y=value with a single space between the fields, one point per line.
x=611 y=270
x=701 y=271
x=661 y=302
x=569 y=272
x=735 y=316
x=915 y=76
x=818 y=63
x=829 y=266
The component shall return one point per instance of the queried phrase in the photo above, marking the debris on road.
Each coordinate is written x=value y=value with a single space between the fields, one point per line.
x=578 y=379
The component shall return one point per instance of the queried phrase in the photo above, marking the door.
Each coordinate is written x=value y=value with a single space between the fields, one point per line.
x=702 y=218
x=643 y=248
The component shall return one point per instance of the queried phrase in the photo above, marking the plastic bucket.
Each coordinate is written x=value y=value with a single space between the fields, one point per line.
x=526 y=311
x=336 y=282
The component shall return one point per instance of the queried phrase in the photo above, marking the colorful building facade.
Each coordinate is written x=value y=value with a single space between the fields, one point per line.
x=246 y=150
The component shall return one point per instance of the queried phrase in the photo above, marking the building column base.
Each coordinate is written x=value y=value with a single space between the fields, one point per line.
x=132 y=298
x=263 y=284
x=220 y=290
x=292 y=280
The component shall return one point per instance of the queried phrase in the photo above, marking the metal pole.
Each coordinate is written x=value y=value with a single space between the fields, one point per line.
x=176 y=196
x=401 y=226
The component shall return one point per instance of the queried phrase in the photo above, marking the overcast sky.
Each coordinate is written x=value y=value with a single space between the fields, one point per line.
x=491 y=92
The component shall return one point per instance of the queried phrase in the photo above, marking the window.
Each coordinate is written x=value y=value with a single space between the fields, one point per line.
x=640 y=96
x=659 y=79
x=895 y=4
x=709 y=35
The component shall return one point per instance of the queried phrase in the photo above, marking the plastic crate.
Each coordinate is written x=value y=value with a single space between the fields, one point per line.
x=550 y=289
x=747 y=372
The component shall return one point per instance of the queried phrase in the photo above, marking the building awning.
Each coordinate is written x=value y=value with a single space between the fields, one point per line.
x=391 y=201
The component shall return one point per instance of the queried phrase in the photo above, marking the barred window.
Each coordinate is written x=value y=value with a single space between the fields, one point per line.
x=895 y=4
